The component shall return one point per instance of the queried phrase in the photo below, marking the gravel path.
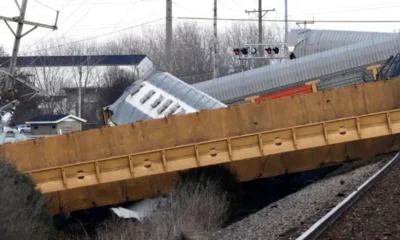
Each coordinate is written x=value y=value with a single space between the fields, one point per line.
x=376 y=215
x=290 y=216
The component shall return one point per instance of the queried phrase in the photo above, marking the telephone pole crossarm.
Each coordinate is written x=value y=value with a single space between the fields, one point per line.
x=16 y=20
x=18 y=34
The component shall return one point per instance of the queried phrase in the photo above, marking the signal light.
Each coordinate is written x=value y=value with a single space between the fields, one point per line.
x=253 y=50
x=245 y=51
x=275 y=49
x=236 y=51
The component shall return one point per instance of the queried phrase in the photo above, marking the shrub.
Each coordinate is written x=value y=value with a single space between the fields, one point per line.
x=202 y=202
x=23 y=210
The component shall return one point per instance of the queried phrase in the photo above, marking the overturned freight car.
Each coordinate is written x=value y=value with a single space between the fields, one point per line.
x=158 y=94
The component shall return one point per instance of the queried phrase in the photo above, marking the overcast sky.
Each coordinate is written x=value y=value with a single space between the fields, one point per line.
x=88 y=18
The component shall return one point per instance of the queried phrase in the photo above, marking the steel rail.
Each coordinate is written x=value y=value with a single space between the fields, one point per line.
x=319 y=227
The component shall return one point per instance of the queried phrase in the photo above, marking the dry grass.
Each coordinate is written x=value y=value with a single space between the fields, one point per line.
x=203 y=201
x=23 y=210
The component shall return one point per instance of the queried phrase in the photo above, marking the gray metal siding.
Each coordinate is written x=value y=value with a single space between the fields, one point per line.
x=279 y=76
x=309 y=42
x=182 y=90
x=124 y=112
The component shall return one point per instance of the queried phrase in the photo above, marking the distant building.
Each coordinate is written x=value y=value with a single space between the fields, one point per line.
x=91 y=104
x=55 y=124
x=139 y=64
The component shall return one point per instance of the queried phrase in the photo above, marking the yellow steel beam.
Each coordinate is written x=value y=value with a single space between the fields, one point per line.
x=102 y=155
x=218 y=151
x=313 y=85
x=374 y=70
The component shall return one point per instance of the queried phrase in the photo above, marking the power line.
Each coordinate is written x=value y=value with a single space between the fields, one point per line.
x=45 y=5
x=354 y=9
x=70 y=1
x=30 y=46
x=294 y=21
x=229 y=8
x=185 y=8
x=126 y=14
x=73 y=12
x=94 y=37
x=81 y=18
x=108 y=26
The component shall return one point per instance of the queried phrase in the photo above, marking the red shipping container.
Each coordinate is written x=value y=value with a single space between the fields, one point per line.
x=285 y=93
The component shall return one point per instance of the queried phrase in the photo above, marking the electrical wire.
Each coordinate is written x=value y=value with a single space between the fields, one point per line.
x=30 y=46
x=70 y=1
x=45 y=5
x=126 y=14
x=73 y=12
x=295 y=21
x=81 y=18
x=353 y=10
x=229 y=8
x=185 y=8
x=98 y=36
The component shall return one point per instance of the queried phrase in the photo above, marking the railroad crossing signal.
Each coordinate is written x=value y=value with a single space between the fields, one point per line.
x=245 y=51
x=275 y=50
x=272 y=51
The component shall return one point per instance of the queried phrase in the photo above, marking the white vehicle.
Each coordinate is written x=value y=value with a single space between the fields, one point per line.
x=24 y=128
x=8 y=134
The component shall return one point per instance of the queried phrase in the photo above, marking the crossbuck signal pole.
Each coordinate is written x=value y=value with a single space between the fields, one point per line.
x=18 y=36
x=215 y=41
x=168 y=37
x=260 y=14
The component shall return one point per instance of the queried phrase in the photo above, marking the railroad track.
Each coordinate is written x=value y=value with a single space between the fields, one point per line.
x=322 y=225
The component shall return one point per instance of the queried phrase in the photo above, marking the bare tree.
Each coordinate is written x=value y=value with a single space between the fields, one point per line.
x=2 y=51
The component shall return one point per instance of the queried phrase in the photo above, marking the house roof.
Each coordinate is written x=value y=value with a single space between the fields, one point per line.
x=69 y=61
x=48 y=119
x=86 y=89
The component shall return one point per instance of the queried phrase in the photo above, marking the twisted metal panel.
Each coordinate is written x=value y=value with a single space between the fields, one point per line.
x=321 y=65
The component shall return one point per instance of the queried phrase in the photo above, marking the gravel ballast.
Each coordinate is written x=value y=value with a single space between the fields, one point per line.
x=376 y=215
x=292 y=215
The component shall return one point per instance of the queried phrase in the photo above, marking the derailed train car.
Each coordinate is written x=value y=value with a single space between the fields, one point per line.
x=158 y=94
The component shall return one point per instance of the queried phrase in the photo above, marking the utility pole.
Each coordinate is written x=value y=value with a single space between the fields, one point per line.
x=286 y=22
x=305 y=23
x=80 y=92
x=215 y=39
x=286 y=28
x=168 y=31
x=18 y=36
x=260 y=14
x=260 y=29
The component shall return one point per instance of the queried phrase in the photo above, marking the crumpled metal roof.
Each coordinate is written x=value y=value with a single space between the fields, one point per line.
x=355 y=57
x=157 y=95
x=307 y=42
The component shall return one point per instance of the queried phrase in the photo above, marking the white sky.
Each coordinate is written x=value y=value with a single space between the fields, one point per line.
x=88 y=18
